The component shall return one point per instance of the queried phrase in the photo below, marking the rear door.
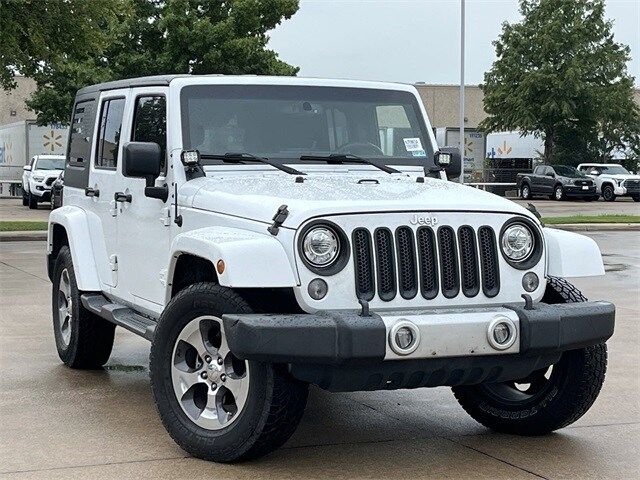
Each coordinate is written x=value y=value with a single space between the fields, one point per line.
x=102 y=183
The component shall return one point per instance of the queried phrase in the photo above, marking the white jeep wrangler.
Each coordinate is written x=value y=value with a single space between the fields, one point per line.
x=270 y=233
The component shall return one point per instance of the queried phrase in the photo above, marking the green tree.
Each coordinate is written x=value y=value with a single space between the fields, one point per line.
x=560 y=74
x=35 y=33
x=152 y=37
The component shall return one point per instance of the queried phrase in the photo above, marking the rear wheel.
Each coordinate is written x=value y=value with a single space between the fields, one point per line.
x=214 y=405
x=547 y=399
x=83 y=339
x=608 y=193
x=636 y=198
x=525 y=192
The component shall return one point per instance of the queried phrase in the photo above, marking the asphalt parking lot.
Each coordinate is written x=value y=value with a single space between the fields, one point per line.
x=60 y=423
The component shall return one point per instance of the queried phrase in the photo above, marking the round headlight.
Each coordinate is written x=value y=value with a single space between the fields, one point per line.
x=517 y=242
x=321 y=246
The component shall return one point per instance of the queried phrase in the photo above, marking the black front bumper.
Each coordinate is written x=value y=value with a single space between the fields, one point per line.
x=343 y=351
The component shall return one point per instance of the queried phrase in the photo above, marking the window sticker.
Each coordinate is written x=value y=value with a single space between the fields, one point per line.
x=412 y=144
x=418 y=153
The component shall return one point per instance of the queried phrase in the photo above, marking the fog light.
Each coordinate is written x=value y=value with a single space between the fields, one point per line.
x=317 y=289
x=530 y=281
x=501 y=333
x=404 y=337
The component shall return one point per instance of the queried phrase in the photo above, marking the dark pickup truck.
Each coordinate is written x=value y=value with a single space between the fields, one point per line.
x=556 y=182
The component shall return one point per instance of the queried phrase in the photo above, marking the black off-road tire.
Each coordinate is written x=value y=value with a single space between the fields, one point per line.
x=25 y=199
x=574 y=385
x=33 y=202
x=525 y=193
x=275 y=402
x=636 y=198
x=92 y=337
x=608 y=193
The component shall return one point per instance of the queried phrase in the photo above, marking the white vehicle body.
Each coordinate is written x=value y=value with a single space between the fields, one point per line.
x=37 y=176
x=226 y=215
x=254 y=276
x=624 y=184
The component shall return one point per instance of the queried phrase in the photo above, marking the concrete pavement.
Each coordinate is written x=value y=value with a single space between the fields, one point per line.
x=60 y=423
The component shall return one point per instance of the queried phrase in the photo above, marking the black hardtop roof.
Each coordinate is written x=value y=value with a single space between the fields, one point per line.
x=152 y=81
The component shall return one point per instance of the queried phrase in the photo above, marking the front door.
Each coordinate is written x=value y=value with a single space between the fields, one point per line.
x=144 y=223
x=102 y=215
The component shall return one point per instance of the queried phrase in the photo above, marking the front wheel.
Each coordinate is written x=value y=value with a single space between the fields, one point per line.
x=558 y=193
x=33 y=202
x=547 y=399
x=636 y=198
x=25 y=199
x=608 y=193
x=525 y=192
x=215 y=405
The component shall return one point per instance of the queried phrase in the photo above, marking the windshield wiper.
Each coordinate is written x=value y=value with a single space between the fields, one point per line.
x=341 y=158
x=248 y=157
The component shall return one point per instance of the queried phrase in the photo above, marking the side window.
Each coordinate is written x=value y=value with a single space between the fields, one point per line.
x=150 y=123
x=81 y=132
x=109 y=133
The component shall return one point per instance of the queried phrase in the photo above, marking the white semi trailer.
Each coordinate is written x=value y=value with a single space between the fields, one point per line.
x=19 y=142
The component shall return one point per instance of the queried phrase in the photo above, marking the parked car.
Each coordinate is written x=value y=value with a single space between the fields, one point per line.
x=613 y=180
x=56 y=191
x=556 y=182
x=257 y=233
x=37 y=178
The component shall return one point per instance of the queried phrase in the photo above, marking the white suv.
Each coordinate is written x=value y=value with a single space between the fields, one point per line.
x=612 y=180
x=270 y=233
x=37 y=178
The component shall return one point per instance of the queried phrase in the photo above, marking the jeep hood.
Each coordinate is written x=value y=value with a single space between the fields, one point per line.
x=258 y=197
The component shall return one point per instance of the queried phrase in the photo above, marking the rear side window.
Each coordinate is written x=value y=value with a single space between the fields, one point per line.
x=109 y=133
x=81 y=132
x=150 y=123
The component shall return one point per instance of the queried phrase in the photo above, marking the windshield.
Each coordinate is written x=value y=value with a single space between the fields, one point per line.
x=566 y=171
x=50 y=164
x=613 y=170
x=284 y=123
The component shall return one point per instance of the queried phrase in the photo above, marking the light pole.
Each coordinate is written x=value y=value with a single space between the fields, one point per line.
x=462 y=87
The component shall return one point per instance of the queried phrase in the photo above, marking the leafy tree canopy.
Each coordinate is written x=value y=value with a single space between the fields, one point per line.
x=560 y=74
x=151 y=37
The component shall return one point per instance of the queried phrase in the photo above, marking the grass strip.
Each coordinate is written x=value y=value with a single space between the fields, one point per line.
x=606 y=218
x=22 y=226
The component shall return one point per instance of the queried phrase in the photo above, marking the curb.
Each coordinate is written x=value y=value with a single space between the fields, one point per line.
x=28 y=236
x=597 y=227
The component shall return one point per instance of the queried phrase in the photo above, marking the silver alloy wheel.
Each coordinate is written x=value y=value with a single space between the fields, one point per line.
x=558 y=193
x=525 y=192
x=65 y=307
x=210 y=383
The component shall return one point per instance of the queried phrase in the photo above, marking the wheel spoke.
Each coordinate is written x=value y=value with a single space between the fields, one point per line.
x=183 y=381
x=214 y=409
x=194 y=338
x=239 y=387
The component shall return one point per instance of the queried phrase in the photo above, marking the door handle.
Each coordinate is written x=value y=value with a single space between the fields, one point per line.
x=91 y=192
x=122 y=197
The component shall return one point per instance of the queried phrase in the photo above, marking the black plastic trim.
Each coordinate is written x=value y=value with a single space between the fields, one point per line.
x=473 y=291
x=386 y=297
x=407 y=294
x=344 y=249
x=368 y=294
x=535 y=256
x=489 y=292
x=449 y=292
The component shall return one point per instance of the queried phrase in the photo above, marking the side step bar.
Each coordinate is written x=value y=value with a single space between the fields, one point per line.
x=119 y=314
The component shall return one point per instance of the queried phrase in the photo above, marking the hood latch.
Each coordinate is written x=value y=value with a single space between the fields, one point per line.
x=278 y=219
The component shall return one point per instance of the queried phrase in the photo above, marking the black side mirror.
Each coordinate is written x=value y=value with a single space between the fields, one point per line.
x=144 y=160
x=449 y=159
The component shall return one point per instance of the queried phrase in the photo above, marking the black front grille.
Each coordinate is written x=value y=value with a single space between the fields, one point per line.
x=583 y=182
x=425 y=261
x=632 y=186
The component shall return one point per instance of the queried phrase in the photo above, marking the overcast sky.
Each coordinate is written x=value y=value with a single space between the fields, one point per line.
x=412 y=40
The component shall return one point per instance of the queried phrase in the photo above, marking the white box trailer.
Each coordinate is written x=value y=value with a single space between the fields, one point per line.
x=474 y=149
x=512 y=145
x=19 y=142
